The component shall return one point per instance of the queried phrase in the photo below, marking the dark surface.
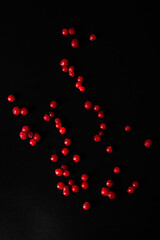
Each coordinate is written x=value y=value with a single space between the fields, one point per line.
x=121 y=71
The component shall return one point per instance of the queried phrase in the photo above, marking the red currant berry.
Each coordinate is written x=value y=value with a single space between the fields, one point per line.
x=64 y=167
x=57 y=120
x=30 y=134
x=84 y=185
x=62 y=130
x=101 y=133
x=37 y=137
x=78 y=84
x=53 y=104
x=59 y=172
x=88 y=105
x=75 y=188
x=64 y=62
x=66 y=188
x=24 y=111
x=32 y=142
x=60 y=185
x=23 y=135
x=84 y=177
x=51 y=114
x=75 y=43
x=127 y=128
x=65 y=151
x=148 y=143
x=58 y=125
x=135 y=184
x=76 y=158
x=64 y=31
x=16 y=110
x=116 y=170
x=71 y=69
x=71 y=74
x=101 y=114
x=11 y=98
x=97 y=138
x=25 y=128
x=64 y=69
x=46 y=117
x=66 y=173
x=105 y=191
x=82 y=89
x=96 y=108
x=92 y=37
x=72 y=31
x=71 y=182
x=109 y=149
x=80 y=79
x=111 y=195
x=54 y=158
x=66 y=193
x=103 y=126
x=109 y=183
x=86 y=206
x=67 y=142
x=131 y=189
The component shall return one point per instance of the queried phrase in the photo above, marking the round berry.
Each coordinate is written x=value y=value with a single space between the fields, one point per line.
x=23 y=135
x=135 y=184
x=103 y=126
x=101 y=114
x=71 y=74
x=127 y=128
x=54 y=158
x=62 y=130
x=82 y=89
x=32 y=142
x=24 y=111
x=131 y=190
x=16 y=110
x=92 y=37
x=75 y=43
x=64 y=69
x=75 y=188
x=59 y=172
x=111 y=195
x=84 y=177
x=25 y=128
x=84 y=185
x=46 y=117
x=96 y=108
x=64 y=31
x=86 y=206
x=97 y=138
x=60 y=185
x=58 y=125
x=65 y=151
x=37 y=137
x=53 y=104
x=78 y=84
x=101 y=133
x=66 y=193
x=72 y=31
x=30 y=134
x=67 y=142
x=116 y=170
x=11 y=98
x=109 y=183
x=71 y=69
x=51 y=114
x=80 y=79
x=88 y=105
x=57 y=120
x=66 y=173
x=105 y=191
x=64 y=167
x=64 y=62
x=148 y=143
x=109 y=149
x=66 y=188
x=71 y=182
x=76 y=158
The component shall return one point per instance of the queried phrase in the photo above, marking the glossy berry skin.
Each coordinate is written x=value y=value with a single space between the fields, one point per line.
x=37 y=137
x=82 y=89
x=66 y=188
x=80 y=79
x=64 y=69
x=86 y=206
x=24 y=111
x=127 y=128
x=51 y=114
x=32 y=142
x=103 y=126
x=84 y=185
x=71 y=69
x=66 y=193
x=84 y=177
x=67 y=142
x=109 y=149
x=75 y=188
x=66 y=173
x=46 y=117
x=71 y=182
x=109 y=183
x=76 y=158
x=101 y=133
x=16 y=110
x=30 y=134
x=54 y=158
x=53 y=104
x=62 y=130
x=65 y=31
x=131 y=190
x=101 y=114
x=75 y=43
x=65 y=151
x=96 y=108
x=60 y=185
x=64 y=62
x=111 y=195
x=57 y=120
x=135 y=184
x=72 y=31
x=23 y=135
x=58 y=125
x=92 y=37
x=97 y=138
x=78 y=84
x=148 y=143
x=25 y=128
x=11 y=98
x=105 y=191
x=64 y=167
x=71 y=74
x=59 y=172
x=88 y=105
x=116 y=170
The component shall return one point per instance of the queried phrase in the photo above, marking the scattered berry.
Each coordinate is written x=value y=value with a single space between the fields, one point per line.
x=53 y=104
x=32 y=142
x=16 y=110
x=86 y=206
x=84 y=185
x=24 y=111
x=75 y=188
x=84 y=177
x=64 y=31
x=46 y=117
x=92 y=37
x=75 y=43
x=37 y=137
x=131 y=190
x=148 y=143
x=116 y=170
x=72 y=31
x=54 y=158
x=109 y=183
x=11 y=98
x=67 y=142
x=65 y=151
x=76 y=158
x=88 y=105
x=59 y=172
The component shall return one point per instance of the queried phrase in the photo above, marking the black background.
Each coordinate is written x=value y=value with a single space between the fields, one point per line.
x=121 y=72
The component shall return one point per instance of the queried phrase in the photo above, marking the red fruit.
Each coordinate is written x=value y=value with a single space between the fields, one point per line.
x=67 y=142
x=78 y=84
x=62 y=130
x=97 y=138
x=64 y=62
x=59 y=172
x=64 y=31
x=92 y=37
x=84 y=177
x=82 y=89
x=65 y=151
x=53 y=104
x=30 y=134
x=16 y=110
x=135 y=184
x=66 y=193
x=88 y=105
x=71 y=182
x=80 y=79
x=72 y=31
x=71 y=69
x=86 y=206
x=75 y=188
x=101 y=133
x=109 y=183
x=101 y=114
x=60 y=185
x=75 y=43
x=64 y=69
x=54 y=158
x=37 y=137
x=111 y=195
x=11 y=98
x=109 y=149
x=51 y=114
x=66 y=188
x=64 y=167
x=103 y=126
x=116 y=170
x=71 y=74
x=23 y=135
x=84 y=185
x=148 y=143
x=127 y=128
x=32 y=142
x=66 y=173
x=58 y=125
x=96 y=108
x=24 y=111
x=105 y=191
x=131 y=190
x=46 y=117
x=76 y=158
x=57 y=120
x=25 y=128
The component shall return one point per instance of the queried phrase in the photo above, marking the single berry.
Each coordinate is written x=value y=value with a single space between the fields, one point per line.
x=60 y=185
x=75 y=43
x=84 y=185
x=131 y=190
x=78 y=84
x=23 y=135
x=96 y=108
x=71 y=69
x=24 y=111
x=11 y=98
x=101 y=114
x=64 y=62
x=148 y=143
x=71 y=182
x=101 y=133
x=32 y=142
x=37 y=137
x=97 y=138
x=92 y=37
x=46 y=117
x=25 y=128
x=82 y=89
x=111 y=195
x=88 y=105
x=103 y=126
x=116 y=170
x=72 y=31
x=76 y=158
x=64 y=31
x=65 y=151
x=64 y=167
x=57 y=120
x=75 y=188
x=54 y=158
x=64 y=69
x=80 y=79
x=58 y=125
x=127 y=128
x=51 y=114
x=62 y=130
x=66 y=173
x=16 y=110
x=67 y=142
x=105 y=191
x=59 y=172
x=30 y=134
x=66 y=193
x=53 y=104
x=84 y=177
x=109 y=149
x=109 y=183
x=86 y=206
x=135 y=184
